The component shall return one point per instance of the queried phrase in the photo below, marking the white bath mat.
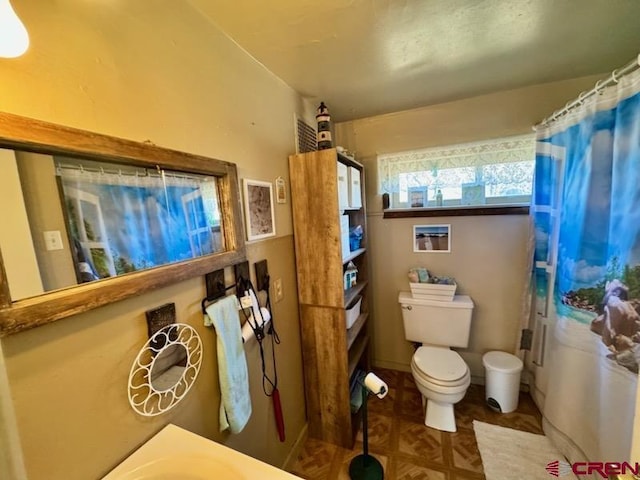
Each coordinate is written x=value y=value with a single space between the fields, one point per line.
x=508 y=454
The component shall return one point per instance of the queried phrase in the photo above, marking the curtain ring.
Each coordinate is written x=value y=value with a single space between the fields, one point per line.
x=614 y=77
x=599 y=86
x=581 y=97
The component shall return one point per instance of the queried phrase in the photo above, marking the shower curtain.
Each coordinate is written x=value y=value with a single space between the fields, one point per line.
x=120 y=222
x=586 y=212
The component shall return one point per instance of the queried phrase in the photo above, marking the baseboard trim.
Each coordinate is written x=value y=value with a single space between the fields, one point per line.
x=392 y=365
x=475 y=379
x=295 y=449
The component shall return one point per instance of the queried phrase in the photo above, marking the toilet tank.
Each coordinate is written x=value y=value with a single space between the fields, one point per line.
x=432 y=322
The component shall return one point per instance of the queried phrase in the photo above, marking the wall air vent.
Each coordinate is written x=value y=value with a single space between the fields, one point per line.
x=305 y=137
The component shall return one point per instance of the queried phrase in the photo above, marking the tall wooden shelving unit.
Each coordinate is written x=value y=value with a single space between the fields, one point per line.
x=331 y=353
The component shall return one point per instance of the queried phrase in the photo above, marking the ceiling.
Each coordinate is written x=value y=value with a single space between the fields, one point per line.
x=370 y=57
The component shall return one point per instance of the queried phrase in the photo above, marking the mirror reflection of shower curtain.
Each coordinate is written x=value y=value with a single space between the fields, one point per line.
x=586 y=209
x=121 y=222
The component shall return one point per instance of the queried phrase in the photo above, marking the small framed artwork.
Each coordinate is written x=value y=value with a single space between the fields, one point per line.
x=281 y=191
x=473 y=194
x=432 y=238
x=258 y=209
x=417 y=197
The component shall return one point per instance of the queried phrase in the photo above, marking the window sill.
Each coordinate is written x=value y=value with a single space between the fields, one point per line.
x=461 y=211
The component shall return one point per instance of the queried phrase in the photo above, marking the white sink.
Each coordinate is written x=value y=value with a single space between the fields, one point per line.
x=186 y=467
x=175 y=453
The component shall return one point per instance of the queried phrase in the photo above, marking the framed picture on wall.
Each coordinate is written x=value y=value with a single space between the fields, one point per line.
x=417 y=197
x=473 y=194
x=258 y=209
x=432 y=238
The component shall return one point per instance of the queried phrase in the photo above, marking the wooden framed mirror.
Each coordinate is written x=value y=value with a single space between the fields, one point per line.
x=90 y=219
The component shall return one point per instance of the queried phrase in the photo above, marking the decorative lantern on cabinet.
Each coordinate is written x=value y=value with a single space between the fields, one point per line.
x=324 y=127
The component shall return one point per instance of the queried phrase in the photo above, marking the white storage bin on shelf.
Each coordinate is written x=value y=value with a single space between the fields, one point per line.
x=343 y=186
x=355 y=196
x=344 y=235
x=433 y=291
x=353 y=313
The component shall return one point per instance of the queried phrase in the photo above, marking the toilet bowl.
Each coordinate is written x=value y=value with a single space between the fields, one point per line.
x=442 y=378
x=441 y=375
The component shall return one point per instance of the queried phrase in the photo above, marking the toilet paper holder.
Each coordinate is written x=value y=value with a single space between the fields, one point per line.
x=366 y=467
x=375 y=385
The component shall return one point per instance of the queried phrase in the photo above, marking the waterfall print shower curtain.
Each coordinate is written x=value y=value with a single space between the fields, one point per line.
x=587 y=274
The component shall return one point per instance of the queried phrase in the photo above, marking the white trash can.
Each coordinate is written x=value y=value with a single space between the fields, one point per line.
x=502 y=381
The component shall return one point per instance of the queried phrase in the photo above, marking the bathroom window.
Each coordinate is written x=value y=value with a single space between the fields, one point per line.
x=489 y=173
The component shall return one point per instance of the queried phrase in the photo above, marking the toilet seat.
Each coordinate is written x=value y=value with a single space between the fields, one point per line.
x=440 y=366
x=443 y=388
x=434 y=382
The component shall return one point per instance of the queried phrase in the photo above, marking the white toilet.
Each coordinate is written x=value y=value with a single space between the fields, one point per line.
x=441 y=375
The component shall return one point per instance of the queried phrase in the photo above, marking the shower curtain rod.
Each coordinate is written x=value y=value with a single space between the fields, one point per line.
x=600 y=84
x=130 y=172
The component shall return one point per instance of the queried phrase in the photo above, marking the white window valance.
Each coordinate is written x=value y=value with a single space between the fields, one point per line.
x=500 y=151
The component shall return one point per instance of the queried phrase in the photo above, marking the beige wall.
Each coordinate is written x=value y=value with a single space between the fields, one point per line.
x=19 y=256
x=488 y=252
x=68 y=381
x=487 y=260
x=152 y=71
x=42 y=199
x=11 y=461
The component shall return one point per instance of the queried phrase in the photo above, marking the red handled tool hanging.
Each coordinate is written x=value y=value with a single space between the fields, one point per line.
x=277 y=410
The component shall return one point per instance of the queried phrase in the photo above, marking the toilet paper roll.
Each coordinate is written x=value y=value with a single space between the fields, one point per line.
x=247 y=332
x=376 y=385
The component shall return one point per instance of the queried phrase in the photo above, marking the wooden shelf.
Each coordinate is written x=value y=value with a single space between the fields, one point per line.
x=356 y=352
x=353 y=332
x=353 y=292
x=329 y=350
x=354 y=254
x=349 y=161
x=456 y=211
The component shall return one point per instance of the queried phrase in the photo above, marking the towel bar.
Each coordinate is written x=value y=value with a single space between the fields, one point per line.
x=247 y=329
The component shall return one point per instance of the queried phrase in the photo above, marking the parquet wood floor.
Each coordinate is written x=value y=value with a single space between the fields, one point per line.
x=409 y=450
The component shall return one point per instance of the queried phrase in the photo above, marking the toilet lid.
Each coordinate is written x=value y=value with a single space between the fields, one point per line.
x=433 y=382
x=440 y=363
